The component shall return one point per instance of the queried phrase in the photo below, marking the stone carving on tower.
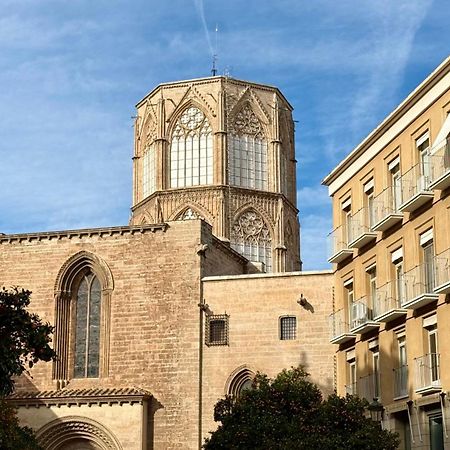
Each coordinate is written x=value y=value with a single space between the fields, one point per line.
x=221 y=150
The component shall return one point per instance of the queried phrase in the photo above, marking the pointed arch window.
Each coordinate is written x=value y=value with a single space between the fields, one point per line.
x=191 y=152
x=83 y=290
x=87 y=328
x=149 y=171
x=247 y=151
x=250 y=236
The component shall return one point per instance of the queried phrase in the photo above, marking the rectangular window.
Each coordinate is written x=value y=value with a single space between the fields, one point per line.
x=369 y=204
x=372 y=285
x=351 y=387
x=350 y=298
x=376 y=373
x=346 y=221
x=426 y=242
x=399 y=279
x=288 y=328
x=434 y=352
x=395 y=181
x=423 y=147
x=216 y=330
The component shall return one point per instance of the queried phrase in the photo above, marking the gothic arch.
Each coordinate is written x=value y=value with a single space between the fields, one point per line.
x=200 y=210
x=251 y=206
x=181 y=108
x=238 y=379
x=252 y=237
x=249 y=99
x=147 y=219
x=78 y=262
x=70 y=274
x=61 y=431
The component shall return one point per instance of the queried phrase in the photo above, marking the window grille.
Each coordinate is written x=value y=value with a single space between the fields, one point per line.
x=217 y=330
x=149 y=172
x=288 y=328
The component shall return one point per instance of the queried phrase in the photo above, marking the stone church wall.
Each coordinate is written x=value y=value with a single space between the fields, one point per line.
x=255 y=304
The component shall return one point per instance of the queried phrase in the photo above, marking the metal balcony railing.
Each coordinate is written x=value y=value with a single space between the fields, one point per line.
x=419 y=286
x=388 y=301
x=338 y=245
x=362 y=316
x=339 y=327
x=369 y=387
x=351 y=388
x=401 y=381
x=440 y=165
x=442 y=272
x=385 y=209
x=427 y=373
x=361 y=228
x=415 y=185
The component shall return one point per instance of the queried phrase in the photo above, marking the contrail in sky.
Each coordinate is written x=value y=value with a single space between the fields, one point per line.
x=201 y=12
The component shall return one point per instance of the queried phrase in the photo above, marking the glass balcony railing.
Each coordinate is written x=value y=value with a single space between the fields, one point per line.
x=442 y=272
x=339 y=327
x=386 y=211
x=338 y=243
x=388 y=301
x=440 y=165
x=361 y=228
x=419 y=286
x=362 y=317
x=427 y=373
x=416 y=189
x=401 y=381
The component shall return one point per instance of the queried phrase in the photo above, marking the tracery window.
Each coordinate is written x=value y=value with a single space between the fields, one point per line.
x=250 y=236
x=247 y=151
x=189 y=214
x=149 y=171
x=191 y=152
x=87 y=328
x=242 y=381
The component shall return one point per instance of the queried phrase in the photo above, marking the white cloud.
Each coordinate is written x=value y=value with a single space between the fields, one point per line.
x=314 y=242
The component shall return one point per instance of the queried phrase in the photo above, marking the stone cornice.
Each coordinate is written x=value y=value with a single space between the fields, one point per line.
x=78 y=397
x=88 y=232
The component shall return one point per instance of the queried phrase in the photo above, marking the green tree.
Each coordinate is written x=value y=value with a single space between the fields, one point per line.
x=289 y=413
x=24 y=340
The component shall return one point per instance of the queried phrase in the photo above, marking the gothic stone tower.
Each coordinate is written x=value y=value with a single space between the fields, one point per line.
x=223 y=150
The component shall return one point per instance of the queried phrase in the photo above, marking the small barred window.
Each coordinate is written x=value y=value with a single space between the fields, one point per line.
x=217 y=330
x=288 y=328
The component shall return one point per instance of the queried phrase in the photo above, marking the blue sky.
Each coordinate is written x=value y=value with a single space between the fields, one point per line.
x=71 y=72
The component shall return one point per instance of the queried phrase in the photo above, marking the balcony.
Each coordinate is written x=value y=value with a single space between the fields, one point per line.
x=339 y=328
x=388 y=301
x=415 y=188
x=440 y=166
x=351 y=389
x=360 y=230
x=340 y=250
x=401 y=382
x=386 y=212
x=419 y=286
x=362 y=317
x=442 y=272
x=428 y=378
x=369 y=387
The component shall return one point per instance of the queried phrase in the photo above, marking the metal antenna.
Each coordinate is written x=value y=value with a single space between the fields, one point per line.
x=214 y=68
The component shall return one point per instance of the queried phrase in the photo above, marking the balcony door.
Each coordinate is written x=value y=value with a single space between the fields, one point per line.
x=423 y=146
x=434 y=354
x=436 y=431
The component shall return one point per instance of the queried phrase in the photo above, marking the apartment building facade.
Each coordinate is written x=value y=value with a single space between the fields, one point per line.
x=391 y=252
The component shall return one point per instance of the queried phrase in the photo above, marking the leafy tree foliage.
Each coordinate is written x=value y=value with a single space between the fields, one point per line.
x=12 y=435
x=289 y=413
x=24 y=340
